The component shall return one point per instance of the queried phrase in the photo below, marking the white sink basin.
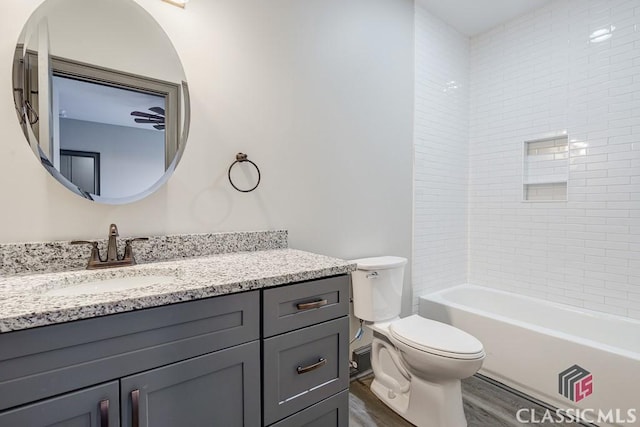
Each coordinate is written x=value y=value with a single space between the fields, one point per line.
x=110 y=285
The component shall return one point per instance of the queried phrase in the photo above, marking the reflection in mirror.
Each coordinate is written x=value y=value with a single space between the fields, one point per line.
x=82 y=168
x=101 y=98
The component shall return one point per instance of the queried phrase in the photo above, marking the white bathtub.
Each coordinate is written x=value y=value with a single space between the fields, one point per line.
x=530 y=341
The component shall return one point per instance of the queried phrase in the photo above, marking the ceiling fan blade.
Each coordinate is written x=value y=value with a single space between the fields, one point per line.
x=152 y=121
x=159 y=127
x=157 y=110
x=146 y=115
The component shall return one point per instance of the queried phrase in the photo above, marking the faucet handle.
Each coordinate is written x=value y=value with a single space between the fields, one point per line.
x=94 y=258
x=128 y=249
x=137 y=239
x=83 y=242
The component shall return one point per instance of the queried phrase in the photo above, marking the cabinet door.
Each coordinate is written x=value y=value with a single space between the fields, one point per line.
x=90 y=407
x=217 y=389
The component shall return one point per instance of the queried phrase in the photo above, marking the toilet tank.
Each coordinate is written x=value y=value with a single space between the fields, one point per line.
x=377 y=287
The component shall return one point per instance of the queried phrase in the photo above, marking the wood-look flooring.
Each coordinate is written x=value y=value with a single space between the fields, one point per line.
x=485 y=405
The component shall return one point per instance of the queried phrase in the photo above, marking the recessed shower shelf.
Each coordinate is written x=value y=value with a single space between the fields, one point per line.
x=542 y=182
x=546 y=169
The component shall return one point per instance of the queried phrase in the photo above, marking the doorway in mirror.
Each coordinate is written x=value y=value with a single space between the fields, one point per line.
x=82 y=168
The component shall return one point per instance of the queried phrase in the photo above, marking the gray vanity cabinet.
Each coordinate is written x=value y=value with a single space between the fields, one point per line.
x=91 y=407
x=225 y=361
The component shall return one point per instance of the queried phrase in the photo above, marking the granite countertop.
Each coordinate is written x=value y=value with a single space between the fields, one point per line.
x=24 y=303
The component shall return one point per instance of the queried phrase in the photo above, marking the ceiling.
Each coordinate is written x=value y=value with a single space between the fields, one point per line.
x=93 y=102
x=473 y=17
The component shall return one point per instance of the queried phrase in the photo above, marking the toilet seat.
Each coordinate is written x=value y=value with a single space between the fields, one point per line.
x=436 y=338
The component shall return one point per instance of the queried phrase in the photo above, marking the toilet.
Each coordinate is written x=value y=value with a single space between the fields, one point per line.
x=417 y=362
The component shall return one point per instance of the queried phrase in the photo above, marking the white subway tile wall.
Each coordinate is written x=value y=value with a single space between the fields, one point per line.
x=441 y=152
x=541 y=76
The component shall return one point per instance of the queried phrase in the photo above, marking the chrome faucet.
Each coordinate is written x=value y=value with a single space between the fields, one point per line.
x=113 y=260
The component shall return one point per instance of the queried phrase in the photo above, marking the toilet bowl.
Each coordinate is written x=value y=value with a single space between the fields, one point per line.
x=426 y=344
x=417 y=363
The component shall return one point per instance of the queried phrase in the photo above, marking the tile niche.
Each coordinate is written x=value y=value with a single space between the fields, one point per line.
x=546 y=169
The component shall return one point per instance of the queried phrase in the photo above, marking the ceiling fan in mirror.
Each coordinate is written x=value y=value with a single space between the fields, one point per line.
x=156 y=119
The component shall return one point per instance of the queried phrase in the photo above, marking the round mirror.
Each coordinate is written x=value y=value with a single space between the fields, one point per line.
x=101 y=97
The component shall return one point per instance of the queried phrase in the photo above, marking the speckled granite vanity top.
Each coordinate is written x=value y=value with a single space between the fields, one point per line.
x=24 y=302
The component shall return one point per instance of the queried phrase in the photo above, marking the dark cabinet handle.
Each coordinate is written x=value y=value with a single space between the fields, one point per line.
x=310 y=305
x=135 y=408
x=313 y=367
x=104 y=413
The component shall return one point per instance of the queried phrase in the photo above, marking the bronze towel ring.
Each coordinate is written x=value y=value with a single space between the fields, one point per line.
x=240 y=158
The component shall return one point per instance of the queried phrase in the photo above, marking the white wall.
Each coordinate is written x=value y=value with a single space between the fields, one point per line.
x=116 y=34
x=131 y=159
x=540 y=76
x=318 y=93
x=441 y=151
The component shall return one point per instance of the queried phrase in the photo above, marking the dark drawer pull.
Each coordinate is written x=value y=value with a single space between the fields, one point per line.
x=135 y=408
x=104 y=413
x=313 y=367
x=310 y=305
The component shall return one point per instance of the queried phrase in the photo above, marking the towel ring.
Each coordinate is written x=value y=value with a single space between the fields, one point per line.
x=240 y=158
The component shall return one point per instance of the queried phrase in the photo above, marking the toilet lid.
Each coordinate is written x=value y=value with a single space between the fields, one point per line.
x=436 y=338
x=380 y=263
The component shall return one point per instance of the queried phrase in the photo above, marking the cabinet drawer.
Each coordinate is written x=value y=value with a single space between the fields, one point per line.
x=303 y=367
x=295 y=306
x=43 y=362
x=331 y=412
